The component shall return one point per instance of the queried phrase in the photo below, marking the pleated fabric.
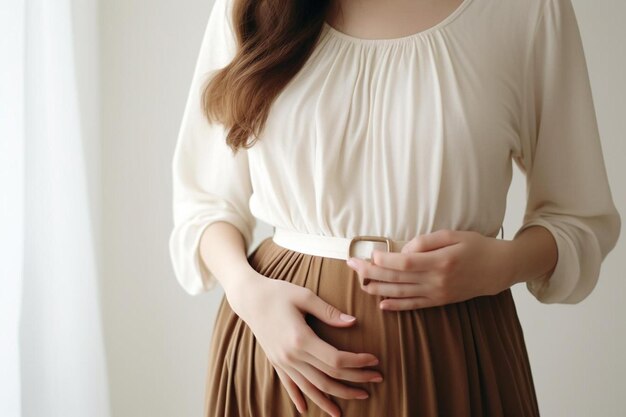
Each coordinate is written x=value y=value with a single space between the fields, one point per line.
x=461 y=359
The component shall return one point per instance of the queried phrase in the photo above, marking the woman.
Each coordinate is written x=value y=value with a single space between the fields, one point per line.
x=396 y=121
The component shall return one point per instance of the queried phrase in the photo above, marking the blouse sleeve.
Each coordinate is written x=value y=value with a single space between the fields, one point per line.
x=566 y=180
x=210 y=184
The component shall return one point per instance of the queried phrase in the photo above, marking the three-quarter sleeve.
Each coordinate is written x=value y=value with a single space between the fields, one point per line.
x=210 y=184
x=566 y=180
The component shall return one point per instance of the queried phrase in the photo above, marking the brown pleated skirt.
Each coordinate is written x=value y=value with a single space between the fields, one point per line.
x=461 y=359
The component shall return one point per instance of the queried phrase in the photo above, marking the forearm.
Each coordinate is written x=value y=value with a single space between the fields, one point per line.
x=532 y=254
x=222 y=249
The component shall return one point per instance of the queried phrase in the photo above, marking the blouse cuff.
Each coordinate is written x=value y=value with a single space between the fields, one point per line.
x=565 y=276
x=191 y=272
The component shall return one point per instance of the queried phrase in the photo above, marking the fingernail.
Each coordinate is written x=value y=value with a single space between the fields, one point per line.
x=362 y=396
x=347 y=317
x=351 y=262
x=373 y=363
x=376 y=379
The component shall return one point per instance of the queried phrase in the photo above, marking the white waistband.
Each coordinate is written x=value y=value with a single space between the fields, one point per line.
x=332 y=246
x=335 y=247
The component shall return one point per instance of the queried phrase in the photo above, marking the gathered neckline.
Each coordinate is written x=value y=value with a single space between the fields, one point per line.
x=387 y=41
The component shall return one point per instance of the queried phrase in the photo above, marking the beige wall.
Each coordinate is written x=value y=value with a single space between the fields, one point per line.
x=158 y=336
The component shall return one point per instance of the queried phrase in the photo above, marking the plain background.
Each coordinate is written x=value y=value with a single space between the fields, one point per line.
x=157 y=336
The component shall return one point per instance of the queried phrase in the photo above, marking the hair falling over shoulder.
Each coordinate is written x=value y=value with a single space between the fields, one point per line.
x=274 y=40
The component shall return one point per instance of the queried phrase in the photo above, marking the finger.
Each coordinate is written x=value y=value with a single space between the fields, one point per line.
x=329 y=314
x=314 y=393
x=397 y=290
x=369 y=271
x=432 y=241
x=346 y=374
x=413 y=261
x=292 y=389
x=334 y=357
x=412 y=303
x=326 y=384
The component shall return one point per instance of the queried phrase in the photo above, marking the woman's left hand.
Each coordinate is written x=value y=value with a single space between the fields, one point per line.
x=437 y=268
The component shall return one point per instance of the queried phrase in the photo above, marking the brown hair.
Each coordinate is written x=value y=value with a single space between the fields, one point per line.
x=274 y=40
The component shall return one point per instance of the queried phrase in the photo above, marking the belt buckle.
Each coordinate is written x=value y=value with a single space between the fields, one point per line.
x=370 y=238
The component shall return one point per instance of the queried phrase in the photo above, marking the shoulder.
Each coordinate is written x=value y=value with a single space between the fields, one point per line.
x=505 y=17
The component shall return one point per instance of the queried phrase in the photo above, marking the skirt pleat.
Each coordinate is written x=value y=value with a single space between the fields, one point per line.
x=461 y=359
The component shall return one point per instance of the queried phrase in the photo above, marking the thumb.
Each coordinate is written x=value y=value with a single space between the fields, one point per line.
x=413 y=245
x=429 y=241
x=328 y=313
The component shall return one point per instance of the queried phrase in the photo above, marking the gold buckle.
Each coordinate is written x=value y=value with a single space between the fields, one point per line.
x=370 y=238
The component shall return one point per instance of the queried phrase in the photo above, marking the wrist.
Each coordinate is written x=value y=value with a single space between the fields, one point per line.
x=238 y=277
x=240 y=284
x=511 y=255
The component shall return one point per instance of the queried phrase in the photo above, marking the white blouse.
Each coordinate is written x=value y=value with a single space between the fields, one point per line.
x=404 y=136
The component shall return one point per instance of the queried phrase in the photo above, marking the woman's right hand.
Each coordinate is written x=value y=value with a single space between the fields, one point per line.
x=275 y=312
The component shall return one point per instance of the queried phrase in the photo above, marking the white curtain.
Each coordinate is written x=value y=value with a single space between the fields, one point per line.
x=52 y=360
